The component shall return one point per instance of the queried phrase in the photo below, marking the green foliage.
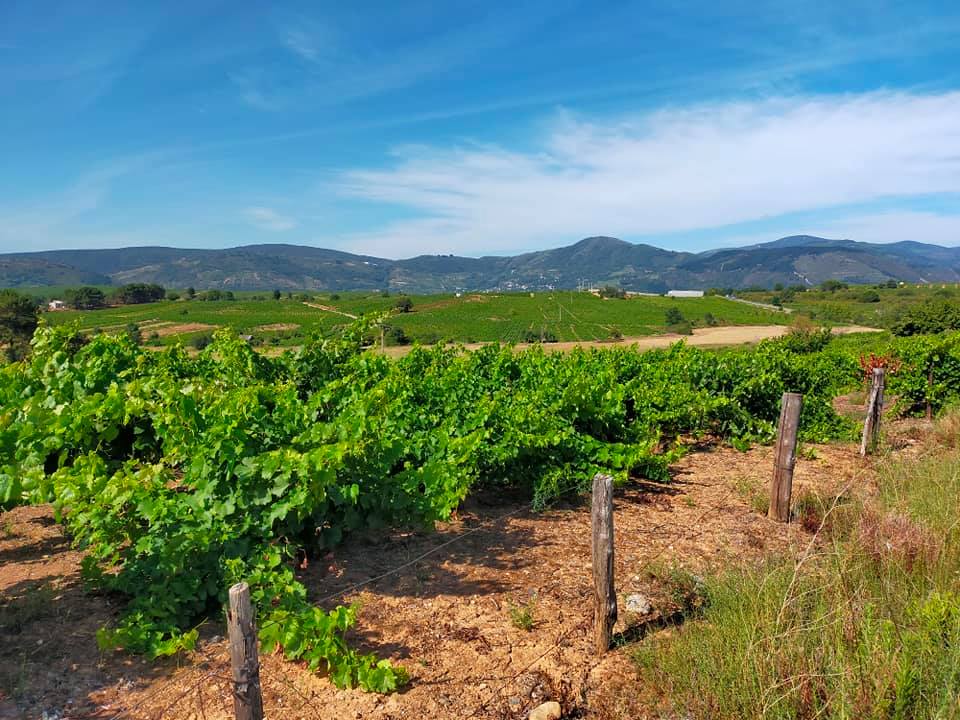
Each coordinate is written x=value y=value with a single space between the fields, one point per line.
x=214 y=295
x=612 y=291
x=85 y=298
x=180 y=475
x=833 y=285
x=933 y=316
x=538 y=336
x=929 y=371
x=404 y=304
x=523 y=616
x=18 y=321
x=133 y=332
x=136 y=293
x=394 y=335
x=473 y=318
x=673 y=316
x=199 y=342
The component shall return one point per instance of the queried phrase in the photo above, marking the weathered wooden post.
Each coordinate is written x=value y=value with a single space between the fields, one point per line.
x=247 y=700
x=604 y=593
x=871 y=424
x=785 y=457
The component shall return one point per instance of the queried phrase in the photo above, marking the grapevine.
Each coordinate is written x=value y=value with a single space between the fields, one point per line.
x=180 y=475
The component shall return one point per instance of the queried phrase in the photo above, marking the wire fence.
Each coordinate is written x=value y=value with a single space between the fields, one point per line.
x=210 y=691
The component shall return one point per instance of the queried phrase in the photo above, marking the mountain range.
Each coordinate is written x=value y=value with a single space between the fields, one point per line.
x=597 y=261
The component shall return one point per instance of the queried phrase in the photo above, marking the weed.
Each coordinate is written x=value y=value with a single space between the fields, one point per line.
x=807 y=452
x=754 y=495
x=523 y=616
x=685 y=591
x=867 y=626
x=6 y=530
x=809 y=510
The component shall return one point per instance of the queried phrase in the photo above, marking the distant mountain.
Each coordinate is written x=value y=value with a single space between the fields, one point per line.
x=798 y=259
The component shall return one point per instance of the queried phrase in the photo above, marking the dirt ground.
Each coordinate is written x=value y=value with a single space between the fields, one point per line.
x=183 y=328
x=277 y=326
x=451 y=615
x=702 y=337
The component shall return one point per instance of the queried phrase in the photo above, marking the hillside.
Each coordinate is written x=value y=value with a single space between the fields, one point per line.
x=597 y=260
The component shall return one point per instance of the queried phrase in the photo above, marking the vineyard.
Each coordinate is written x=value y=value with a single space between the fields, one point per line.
x=181 y=475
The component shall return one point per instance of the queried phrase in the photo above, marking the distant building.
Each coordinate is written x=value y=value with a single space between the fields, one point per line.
x=685 y=293
x=56 y=305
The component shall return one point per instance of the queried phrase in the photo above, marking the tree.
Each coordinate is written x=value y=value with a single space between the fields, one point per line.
x=137 y=293
x=833 y=285
x=18 y=320
x=404 y=304
x=277 y=294
x=674 y=316
x=191 y=293
x=611 y=291
x=85 y=298
x=133 y=332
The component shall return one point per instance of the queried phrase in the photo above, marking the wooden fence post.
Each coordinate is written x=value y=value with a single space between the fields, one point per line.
x=604 y=593
x=247 y=700
x=871 y=424
x=785 y=457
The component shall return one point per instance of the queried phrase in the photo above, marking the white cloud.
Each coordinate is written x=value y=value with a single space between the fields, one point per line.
x=669 y=171
x=269 y=219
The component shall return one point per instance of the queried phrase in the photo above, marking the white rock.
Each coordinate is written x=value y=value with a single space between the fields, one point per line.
x=639 y=604
x=548 y=711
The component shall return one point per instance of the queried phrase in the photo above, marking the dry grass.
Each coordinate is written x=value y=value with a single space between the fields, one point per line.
x=865 y=623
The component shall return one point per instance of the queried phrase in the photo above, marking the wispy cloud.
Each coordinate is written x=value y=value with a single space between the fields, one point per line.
x=312 y=40
x=666 y=171
x=269 y=219
x=48 y=219
x=301 y=44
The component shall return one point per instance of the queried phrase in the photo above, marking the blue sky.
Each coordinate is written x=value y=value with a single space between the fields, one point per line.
x=477 y=127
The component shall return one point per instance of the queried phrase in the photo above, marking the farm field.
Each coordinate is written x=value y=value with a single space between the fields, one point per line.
x=864 y=305
x=566 y=316
x=356 y=494
x=707 y=337
x=449 y=617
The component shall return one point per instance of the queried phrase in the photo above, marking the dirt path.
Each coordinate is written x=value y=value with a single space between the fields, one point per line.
x=327 y=308
x=446 y=618
x=702 y=337
x=765 y=306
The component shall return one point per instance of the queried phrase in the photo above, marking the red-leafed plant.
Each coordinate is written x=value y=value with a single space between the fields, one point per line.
x=868 y=363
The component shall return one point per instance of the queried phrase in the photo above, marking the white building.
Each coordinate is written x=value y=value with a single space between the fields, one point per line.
x=56 y=305
x=685 y=293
